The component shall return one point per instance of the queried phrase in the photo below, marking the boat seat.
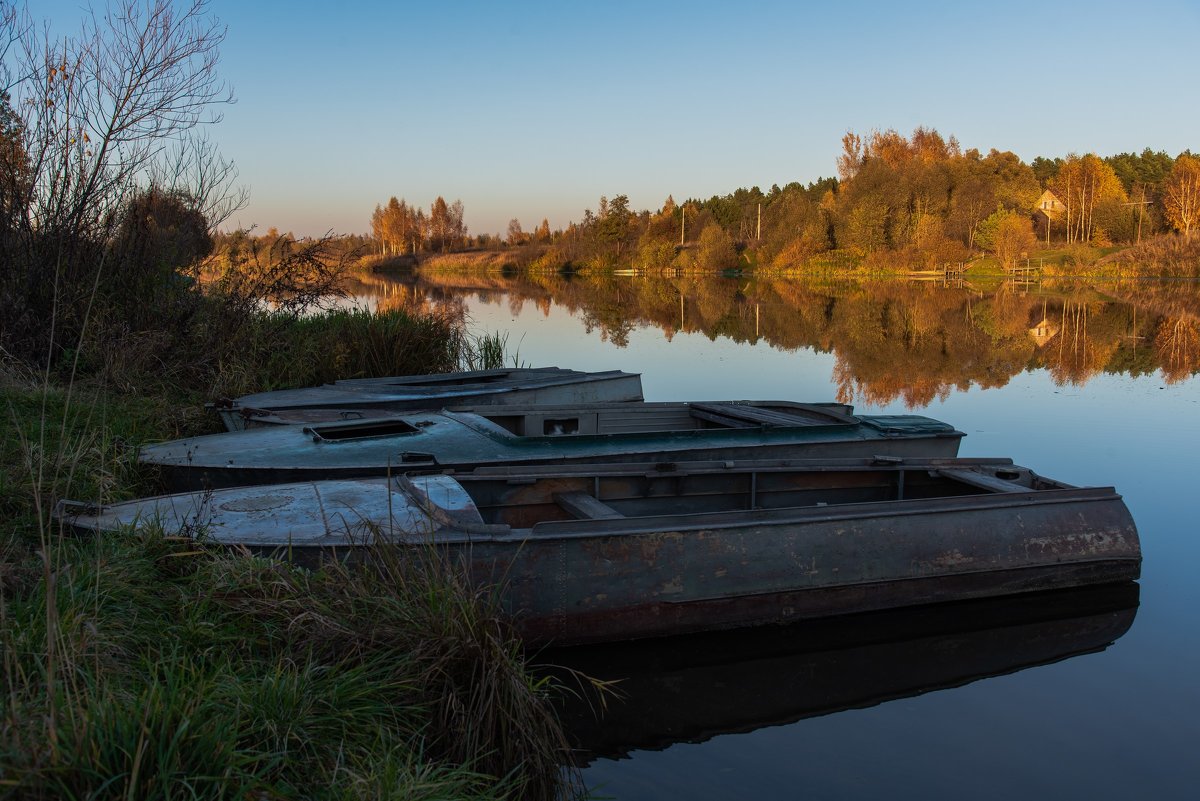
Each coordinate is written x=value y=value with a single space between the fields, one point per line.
x=443 y=499
x=981 y=481
x=582 y=506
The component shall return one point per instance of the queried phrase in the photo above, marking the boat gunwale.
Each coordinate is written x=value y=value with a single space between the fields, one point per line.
x=632 y=469
x=747 y=518
x=835 y=464
x=381 y=390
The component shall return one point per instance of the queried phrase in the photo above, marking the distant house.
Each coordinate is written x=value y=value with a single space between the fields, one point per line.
x=1049 y=205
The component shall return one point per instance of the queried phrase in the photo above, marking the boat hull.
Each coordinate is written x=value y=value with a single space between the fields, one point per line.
x=730 y=544
x=381 y=397
x=463 y=439
x=580 y=583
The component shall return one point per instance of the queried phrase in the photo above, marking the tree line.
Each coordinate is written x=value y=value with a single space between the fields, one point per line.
x=399 y=228
x=918 y=201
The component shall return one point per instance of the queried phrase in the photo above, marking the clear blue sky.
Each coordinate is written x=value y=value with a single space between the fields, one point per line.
x=534 y=110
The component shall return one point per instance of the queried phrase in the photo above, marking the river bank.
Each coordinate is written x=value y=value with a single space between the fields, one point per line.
x=1163 y=256
x=146 y=665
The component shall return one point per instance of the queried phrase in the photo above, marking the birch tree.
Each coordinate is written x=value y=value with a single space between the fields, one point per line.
x=1082 y=183
x=1181 y=194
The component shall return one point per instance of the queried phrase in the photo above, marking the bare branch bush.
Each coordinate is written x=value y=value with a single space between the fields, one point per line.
x=294 y=277
x=102 y=118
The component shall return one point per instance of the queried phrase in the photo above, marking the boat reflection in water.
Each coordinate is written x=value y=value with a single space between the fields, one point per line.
x=689 y=689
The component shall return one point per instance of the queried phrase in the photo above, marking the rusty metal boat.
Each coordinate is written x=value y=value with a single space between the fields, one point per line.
x=572 y=434
x=621 y=551
x=362 y=398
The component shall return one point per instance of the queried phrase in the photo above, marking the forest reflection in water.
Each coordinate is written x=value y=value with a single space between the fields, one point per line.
x=892 y=340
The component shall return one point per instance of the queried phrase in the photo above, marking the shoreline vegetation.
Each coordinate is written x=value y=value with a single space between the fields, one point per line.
x=917 y=204
x=1164 y=256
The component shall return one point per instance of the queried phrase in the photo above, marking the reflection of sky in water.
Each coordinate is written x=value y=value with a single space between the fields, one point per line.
x=1120 y=724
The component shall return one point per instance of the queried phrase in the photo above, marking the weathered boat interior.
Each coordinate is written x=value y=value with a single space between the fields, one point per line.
x=524 y=498
x=549 y=421
x=602 y=419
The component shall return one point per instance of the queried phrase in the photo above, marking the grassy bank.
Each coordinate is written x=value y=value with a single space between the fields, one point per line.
x=1164 y=256
x=151 y=666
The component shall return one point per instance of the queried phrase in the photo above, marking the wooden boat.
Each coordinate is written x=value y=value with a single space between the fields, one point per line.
x=690 y=689
x=592 y=433
x=380 y=397
x=602 y=552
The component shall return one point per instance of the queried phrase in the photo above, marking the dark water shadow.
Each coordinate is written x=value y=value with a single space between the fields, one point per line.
x=690 y=689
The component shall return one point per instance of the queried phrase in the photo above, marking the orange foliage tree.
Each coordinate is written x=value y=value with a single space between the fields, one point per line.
x=1082 y=184
x=1181 y=194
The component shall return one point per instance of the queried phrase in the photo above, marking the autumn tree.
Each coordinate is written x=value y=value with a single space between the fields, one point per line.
x=458 y=228
x=1181 y=194
x=1008 y=234
x=391 y=226
x=716 y=251
x=15 y=178
x=891 y=185
x=981 y=184
x=851 y=157
x=516 y=236
x=439 y=224
x=1082 y=184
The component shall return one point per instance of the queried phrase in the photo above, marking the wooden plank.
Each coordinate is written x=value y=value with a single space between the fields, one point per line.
x=720 y=419
x=582 y=506
x=753 y=414
x=990 y=483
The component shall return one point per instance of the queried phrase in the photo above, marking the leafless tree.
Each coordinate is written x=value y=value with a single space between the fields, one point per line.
x=104 y=115
x=102 y=108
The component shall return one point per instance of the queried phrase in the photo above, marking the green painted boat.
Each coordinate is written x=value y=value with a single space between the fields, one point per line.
x=363 y=398
x=577 y=433
x=585 y=553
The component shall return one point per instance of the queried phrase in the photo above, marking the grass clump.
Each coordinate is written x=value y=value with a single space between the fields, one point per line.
x=150 y=667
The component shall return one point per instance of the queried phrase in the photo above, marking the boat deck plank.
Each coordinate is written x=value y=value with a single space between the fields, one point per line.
x=754 y=415
x=989 y=483
x=582 y=506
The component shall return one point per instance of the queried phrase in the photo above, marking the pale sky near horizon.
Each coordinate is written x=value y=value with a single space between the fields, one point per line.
x=536 y=109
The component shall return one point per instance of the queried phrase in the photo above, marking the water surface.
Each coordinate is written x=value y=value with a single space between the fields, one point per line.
x=1087 y=695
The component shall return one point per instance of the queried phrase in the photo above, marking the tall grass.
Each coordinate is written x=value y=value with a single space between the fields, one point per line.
x=286 y=351
x=487 y=351
x=183 y=671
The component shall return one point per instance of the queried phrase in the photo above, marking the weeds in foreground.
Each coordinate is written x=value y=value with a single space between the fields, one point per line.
x=212 y=675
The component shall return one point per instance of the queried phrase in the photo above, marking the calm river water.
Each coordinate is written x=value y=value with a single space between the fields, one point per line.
x=1090 y=695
